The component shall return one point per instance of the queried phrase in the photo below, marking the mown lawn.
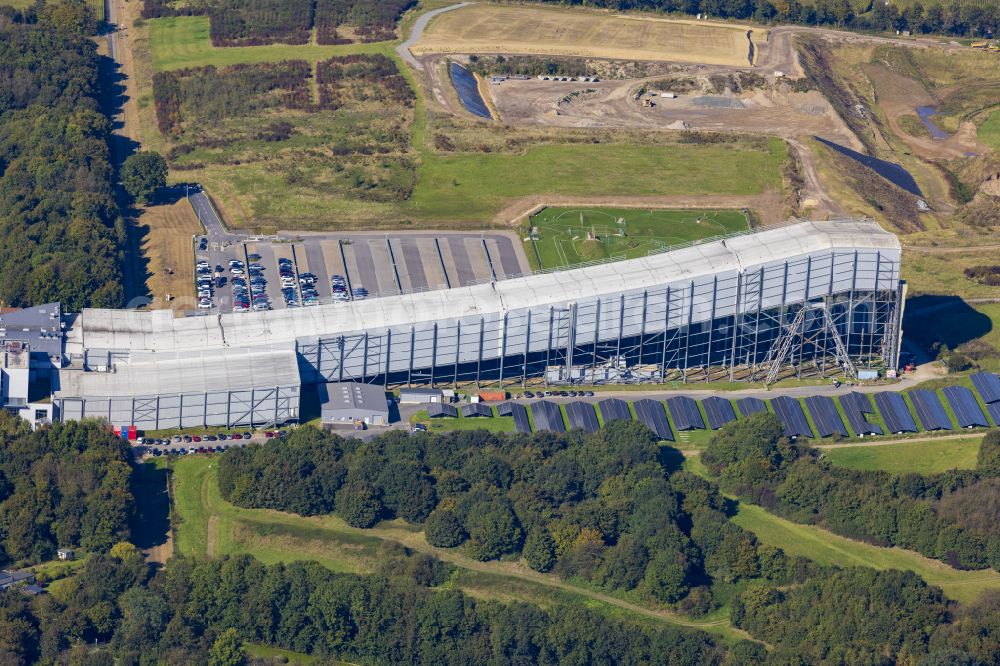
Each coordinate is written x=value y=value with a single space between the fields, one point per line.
x=927 y=457
x=568 y=236
x=475 y=186
x=183 y=41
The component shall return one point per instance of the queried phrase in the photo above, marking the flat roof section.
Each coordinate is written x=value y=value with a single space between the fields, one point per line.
x=199 y=372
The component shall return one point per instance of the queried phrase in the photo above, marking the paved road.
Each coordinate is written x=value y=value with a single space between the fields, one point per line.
x=210 y=219
x=418 y=29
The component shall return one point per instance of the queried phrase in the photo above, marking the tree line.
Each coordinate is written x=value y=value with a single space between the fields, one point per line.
x=949 y=516
x=598 y=507
x=61 y=234
x=951 y=18
x=64 y=485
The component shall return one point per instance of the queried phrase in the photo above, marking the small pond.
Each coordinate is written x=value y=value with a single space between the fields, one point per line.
x=925 y=113
x=891 y=171
x=468 y=90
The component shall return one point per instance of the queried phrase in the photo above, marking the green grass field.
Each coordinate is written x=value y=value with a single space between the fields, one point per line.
x=183 y=41
x=989 y=131
x=828 y=548
x=568 y=236
x=923 y=457
x=495 y=424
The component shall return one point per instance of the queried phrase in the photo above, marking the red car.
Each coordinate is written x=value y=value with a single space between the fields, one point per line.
x=196 y=438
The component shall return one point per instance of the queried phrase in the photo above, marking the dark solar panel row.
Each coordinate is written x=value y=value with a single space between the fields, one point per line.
x=436 y=410
x=790 y=413
x=894 y=412
x=504 y=409
x=964 y=405
x=614 y=409
x=581 y=415
x=930 y=411
x=651 y=413
x=474 y=409
x=859 y=402
x=548 y=416
x=856 y=405
x=750 y=406
x=520 y=414
x=994 y=409
x=825 y=416
x=719 y=412
x=988 y=386
x=685 y=413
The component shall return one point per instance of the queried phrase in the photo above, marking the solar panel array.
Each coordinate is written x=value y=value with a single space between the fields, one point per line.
x=520 y=414
x=964 y=405
x=548 y=416
x=651 y=413
x=474 y=409
x=856 y=405
x=685 y=413
x=750 y=406
x=825 y=416
x=790 y=413
x=988 y=386
x=894 y=412
x=930 y=411
x=504 y=409
x=436 y=410
x=994 y=409
x=719 y=412
x=614 y=409
x=581 y=415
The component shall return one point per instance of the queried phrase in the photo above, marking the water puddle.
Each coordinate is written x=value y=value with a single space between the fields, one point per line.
x=925 y=113
x=468 y=90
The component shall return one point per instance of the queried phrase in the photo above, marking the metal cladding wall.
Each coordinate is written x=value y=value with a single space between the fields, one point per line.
x=729 y=319
x=227 y=409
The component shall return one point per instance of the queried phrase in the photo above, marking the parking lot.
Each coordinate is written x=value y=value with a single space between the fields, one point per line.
x=247 y=273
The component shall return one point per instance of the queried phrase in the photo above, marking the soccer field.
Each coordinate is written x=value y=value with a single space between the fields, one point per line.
x=562 y=237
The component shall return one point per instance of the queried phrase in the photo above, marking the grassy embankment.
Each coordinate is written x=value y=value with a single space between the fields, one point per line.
x=922 y=457
x=826 y=547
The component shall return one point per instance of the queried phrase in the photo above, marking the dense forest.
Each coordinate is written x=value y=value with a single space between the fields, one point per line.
x=952 y=18
x=61 y=236
x=258 y=22
x=596 y=507
x=67 y=485
x=949 y=516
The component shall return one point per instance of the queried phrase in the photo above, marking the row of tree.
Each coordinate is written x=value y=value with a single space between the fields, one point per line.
x=949 y=516
x=66 y=485
x=953 y=18
x=61 y=235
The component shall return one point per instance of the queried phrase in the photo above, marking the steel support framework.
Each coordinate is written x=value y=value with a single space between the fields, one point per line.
x=719 y=328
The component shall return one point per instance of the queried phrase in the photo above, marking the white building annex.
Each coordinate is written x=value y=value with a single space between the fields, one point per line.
x=806 y=298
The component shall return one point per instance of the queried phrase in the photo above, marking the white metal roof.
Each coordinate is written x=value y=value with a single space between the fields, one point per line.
x=197 y=372
x=159 y=331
